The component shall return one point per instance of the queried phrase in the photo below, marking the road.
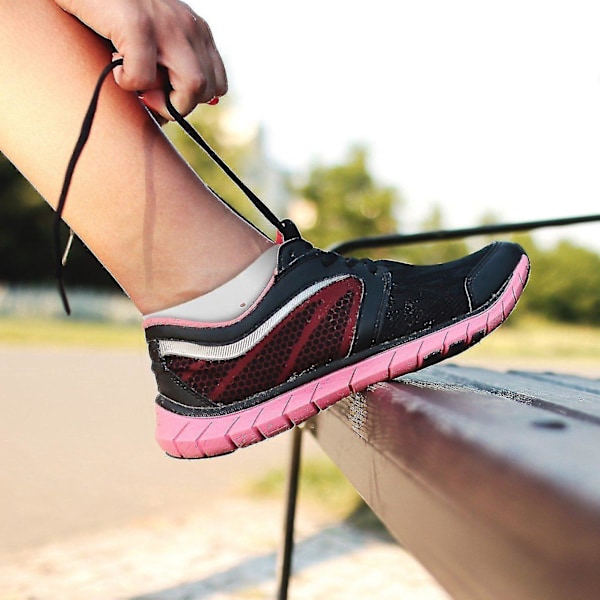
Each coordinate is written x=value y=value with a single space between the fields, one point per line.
x=78 y=453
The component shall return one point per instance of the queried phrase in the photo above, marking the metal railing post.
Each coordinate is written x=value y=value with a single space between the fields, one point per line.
x=287 y=547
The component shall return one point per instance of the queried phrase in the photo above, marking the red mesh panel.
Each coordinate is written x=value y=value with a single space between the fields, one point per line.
x=317 y=332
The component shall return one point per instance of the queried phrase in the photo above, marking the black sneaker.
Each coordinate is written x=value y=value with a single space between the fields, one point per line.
x=325 y=327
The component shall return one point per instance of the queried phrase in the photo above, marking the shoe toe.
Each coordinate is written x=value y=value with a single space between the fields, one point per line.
x=489 y=276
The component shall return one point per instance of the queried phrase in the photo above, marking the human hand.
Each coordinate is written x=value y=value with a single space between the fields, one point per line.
x=161 y=42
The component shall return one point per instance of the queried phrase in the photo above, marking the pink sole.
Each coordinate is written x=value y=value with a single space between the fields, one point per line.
x=203 y=437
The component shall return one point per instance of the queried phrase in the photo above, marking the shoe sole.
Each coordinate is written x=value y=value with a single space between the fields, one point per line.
x=203 y=437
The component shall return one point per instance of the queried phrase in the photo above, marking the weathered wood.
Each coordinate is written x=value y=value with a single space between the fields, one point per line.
x=491 y=479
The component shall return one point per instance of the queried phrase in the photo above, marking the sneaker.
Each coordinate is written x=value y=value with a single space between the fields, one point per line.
x=325 y=327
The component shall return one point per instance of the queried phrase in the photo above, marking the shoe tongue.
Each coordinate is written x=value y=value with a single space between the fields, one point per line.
x=290 y=251
x=288 y=230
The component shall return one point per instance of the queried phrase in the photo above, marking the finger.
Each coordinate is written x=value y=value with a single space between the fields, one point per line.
x=185 y=98
x=118 y=70
x=139 y=61
x=182 y=101
x=204 y=44
x=220 y=75
x=155 y=100
x=197 y=75
x=193 y=81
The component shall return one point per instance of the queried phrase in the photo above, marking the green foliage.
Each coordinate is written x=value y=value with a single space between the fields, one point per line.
x=438 y=252
x=26 y=244
x=211 y=124
x=333 y=204
x=344 y=201
x=565 y=284
x=320 y=482
x=24 y=223
x=242 y=153
x=69 y=332
x=531 y=338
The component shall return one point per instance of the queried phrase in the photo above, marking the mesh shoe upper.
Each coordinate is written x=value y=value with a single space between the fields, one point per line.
x=424 y=297
x=318 y=332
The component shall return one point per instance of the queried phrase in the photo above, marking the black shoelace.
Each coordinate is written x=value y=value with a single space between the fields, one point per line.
x=285 y=227
x=330 y=258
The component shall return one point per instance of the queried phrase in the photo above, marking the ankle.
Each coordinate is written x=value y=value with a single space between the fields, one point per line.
x=174 y=290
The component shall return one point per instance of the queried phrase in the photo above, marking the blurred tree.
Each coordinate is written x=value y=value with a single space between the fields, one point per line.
x=26 y=244
x=242 y=149
x=344 y=201
x=565 y=284
x=333 y=204
x=437 y=252
x=26 y=221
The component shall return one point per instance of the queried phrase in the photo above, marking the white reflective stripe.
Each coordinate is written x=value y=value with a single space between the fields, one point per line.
x=239 y=348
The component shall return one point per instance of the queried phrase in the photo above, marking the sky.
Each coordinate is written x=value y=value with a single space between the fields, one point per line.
x=477 y=107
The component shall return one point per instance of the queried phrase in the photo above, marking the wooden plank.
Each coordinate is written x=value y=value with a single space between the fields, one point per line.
x=495 y=489
x=563 y=394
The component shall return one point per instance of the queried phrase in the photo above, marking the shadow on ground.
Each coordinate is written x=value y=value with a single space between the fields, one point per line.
x=327 y=545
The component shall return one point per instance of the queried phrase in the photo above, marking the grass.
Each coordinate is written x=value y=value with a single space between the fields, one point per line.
x=323 y=486
x=531 y=337
x=69 y=332
x=534 y=343
x=527 y=337
x=321 y=483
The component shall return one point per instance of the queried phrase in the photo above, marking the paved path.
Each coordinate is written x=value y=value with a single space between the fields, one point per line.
x=91 y=509
x=78 y=452
x=226 y=552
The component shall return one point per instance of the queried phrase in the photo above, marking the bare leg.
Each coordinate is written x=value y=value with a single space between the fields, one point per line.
x=133 y=201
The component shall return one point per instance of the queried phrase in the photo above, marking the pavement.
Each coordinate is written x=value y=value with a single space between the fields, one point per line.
x=92 y=509
x=229 y=552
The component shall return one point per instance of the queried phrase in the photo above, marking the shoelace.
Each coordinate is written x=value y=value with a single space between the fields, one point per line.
x=287 y=229
x=330 y=258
